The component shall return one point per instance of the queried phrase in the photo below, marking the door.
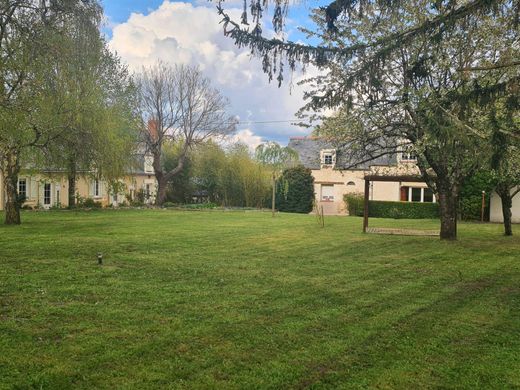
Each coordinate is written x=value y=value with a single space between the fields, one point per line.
x=46 y=195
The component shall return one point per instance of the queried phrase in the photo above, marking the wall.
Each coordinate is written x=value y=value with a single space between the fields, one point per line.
x=84 y=186
x=495 y=214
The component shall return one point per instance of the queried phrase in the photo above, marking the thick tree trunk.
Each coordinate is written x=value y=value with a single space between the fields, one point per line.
x=72 y=182
x=10 y=170
x=161 y=191
x=448 y=211
x=507 y=204
x=273 y=201
x=72 y=188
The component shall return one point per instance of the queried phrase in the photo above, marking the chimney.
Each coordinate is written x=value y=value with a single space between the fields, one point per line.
x=152 y=129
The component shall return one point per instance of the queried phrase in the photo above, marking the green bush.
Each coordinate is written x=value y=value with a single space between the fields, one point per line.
x=90 y=203
x=295 y=190
x=388 y=209
x=355 y=204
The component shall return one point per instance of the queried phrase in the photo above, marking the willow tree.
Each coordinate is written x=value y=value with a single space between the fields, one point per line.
x=100 y=124
x=400 y=73
x=276 y=158
x=31 y=103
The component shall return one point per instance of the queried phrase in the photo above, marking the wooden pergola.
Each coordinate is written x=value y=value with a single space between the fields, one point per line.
x=389 y=178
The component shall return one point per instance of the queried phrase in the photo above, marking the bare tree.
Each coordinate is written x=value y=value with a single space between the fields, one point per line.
x=178 y=104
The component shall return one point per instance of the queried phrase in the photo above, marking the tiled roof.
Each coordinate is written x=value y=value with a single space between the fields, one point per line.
x=308 y=149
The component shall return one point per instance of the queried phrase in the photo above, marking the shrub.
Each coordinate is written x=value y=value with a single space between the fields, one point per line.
x=91 y=204
x=470 y=199
x=169 y=204
x=388 y=209
x=295 y=190
x=355 y=204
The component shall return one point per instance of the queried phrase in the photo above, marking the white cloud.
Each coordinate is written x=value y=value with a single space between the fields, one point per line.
x=180 y=32
x=247 y=137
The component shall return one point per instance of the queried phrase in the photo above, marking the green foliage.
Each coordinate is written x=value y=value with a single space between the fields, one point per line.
x=295 y=190
x=354 y=203
x=387 y=209
x=231 y=177
x=192 y=206
x=180 y=187
x=470 y=200
x=90 y=203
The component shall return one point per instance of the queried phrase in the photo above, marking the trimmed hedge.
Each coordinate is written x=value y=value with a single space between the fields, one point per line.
x=387 y=209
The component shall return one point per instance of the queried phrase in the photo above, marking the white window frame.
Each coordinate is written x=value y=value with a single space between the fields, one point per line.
x=96 y=190
x=407 y=154
x=328 y=154
x=410 y=189
x=20 y=181
x=329 y=198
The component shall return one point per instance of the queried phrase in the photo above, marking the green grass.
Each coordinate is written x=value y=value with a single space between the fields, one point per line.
x=241 y=300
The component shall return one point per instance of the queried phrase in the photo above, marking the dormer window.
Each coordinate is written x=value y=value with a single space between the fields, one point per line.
x=148 y=164
x=328 y=157
x=408 y=154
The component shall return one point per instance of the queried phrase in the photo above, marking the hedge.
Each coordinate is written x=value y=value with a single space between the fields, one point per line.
x=387 y=209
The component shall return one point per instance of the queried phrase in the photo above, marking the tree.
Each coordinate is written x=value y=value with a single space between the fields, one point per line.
x=276 y=157
x=100 y=124
x=504 y=120
x=178 y=104
x=295 y=190
x=31 y=105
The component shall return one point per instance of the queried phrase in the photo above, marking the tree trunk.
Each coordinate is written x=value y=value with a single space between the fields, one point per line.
x=72 y=184
x=273 y=201
x=507 y=204
x=161 y=191
x=448 y=211
x=10 y=170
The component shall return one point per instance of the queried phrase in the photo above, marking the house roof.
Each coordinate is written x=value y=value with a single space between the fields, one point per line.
x=308 y=149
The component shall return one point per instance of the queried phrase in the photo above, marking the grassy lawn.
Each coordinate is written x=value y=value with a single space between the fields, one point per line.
x=241 y=300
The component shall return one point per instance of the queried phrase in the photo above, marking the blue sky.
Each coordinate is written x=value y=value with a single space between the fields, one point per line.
x=144 y=31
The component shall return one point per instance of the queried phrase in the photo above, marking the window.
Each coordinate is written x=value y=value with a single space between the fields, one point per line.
x=46 y=194
x=96 y=187
x=22 y=188
x=327 y=192
x=408 y=154
x=427 y=195
x=416 y=194
x=328 y=157
x=351 y=183
x=148 y=164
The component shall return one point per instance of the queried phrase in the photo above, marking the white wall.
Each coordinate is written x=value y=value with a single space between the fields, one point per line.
x=496 y=209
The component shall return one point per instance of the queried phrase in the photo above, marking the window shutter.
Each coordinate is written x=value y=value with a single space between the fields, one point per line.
x=33 y=188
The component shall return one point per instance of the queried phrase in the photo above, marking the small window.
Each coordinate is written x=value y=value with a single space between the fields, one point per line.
x=147 y=191
x=408 y=154
x=96 y=187
x=327 y=159
x=46 y=194
x=416 y=194
x=148 y=164
x=22 y=188
x=351 y=183
x=327 y=192
x=428 y=195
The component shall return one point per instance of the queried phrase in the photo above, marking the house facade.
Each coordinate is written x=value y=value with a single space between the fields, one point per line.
x=334 y=177
x=495 y=212
x=50 y=188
